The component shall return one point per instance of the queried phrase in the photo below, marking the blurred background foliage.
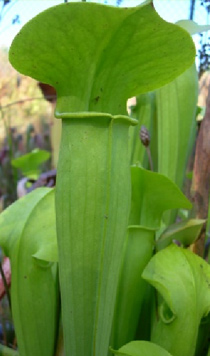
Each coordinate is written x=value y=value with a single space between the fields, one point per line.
x=25 y=121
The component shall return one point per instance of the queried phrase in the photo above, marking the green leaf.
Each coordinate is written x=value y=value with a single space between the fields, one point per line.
x=152 y=194
x=186 y=232
x=98 y=50
x=143 y=112
x=189 y=175
x=201 y=110
x=30 y=163
x=183 y=279
x=176 y=110
x=145 y=318
x=27 y=229
x=92 y=208
x=131 y=287
x=203 y=337
x=141 y=348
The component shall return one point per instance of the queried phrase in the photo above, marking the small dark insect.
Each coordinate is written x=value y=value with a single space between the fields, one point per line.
x=96 y=99
x=177 y=242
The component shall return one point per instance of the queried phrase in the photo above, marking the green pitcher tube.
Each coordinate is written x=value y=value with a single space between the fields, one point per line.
x=92 y=209
x=131 y=288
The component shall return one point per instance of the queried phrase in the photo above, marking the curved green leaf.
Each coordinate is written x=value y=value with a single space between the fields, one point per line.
x=152 y=194
x=12 y=228
x=176 y=109
x=30 y=163
x=101 y=55
x=27 y=229
x=183 y=279
x=131 y=287
x=141 y=348
x=186 y=232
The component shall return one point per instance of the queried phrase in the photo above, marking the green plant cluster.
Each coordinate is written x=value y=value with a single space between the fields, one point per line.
x=102 y=239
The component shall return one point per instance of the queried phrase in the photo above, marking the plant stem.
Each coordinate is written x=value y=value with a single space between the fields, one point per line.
x=192 y=9
x=92 y=208
x=6 y=351
x=25 y=100
x=150 y=158
x=9 y=139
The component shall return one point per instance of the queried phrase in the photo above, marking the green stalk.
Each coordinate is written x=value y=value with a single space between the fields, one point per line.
x=92 y=208
x=131 y=288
